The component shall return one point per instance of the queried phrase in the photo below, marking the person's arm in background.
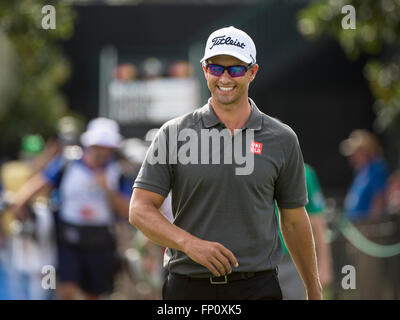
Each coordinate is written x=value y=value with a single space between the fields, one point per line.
x=119 y=201
x=377 y=185
x=323 y=249
x=315 y=209
x=377 y=207
x=31 y=188
x=298 y=236
x=48 y=178
x=51 y=149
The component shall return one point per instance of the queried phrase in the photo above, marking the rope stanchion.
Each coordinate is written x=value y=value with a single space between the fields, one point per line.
x=358 y=240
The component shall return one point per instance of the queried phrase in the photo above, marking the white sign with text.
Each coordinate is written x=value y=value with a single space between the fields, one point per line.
x=152 y=101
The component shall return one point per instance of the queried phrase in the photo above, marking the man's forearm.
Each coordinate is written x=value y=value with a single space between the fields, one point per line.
x=154 y=225
x=145 y=215
x=300 y=243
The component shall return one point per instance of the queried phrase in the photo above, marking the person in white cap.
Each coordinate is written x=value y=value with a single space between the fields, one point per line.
x=90 y=193
x=224 y=240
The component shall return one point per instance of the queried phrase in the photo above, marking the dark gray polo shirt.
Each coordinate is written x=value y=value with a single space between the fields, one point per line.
x=214 y=201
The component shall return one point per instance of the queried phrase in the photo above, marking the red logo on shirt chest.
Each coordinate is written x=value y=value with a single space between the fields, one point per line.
x=256 y=147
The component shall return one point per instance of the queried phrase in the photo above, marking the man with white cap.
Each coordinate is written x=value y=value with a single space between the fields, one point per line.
x=224 y=242
x=90 y=193
x=365 y=198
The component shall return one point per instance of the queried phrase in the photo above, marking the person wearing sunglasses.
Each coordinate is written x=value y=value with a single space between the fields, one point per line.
x=223 y=242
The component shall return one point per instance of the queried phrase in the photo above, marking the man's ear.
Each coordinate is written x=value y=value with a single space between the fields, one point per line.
x=253 y=72
x=204 y=69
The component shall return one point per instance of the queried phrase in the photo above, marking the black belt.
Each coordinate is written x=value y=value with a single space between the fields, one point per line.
x=234 y=276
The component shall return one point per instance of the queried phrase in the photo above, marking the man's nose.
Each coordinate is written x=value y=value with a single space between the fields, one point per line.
x=225 y=77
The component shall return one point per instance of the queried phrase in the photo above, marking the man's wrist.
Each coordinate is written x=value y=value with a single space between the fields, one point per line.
x=314 y=291
x=183 y=242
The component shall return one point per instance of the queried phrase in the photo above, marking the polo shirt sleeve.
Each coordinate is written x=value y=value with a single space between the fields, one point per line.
x=155 y=173
x=290 y=185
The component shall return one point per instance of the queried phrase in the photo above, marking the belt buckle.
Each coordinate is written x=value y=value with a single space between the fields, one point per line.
x=224 y=281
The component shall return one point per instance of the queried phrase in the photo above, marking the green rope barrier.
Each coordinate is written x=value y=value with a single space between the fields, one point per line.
x=331 y=235
x=358 y=240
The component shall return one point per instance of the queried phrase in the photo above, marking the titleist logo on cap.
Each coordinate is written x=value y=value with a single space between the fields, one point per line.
x=228 y=41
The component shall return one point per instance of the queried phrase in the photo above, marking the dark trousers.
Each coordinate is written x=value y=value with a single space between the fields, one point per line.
x=263 y=286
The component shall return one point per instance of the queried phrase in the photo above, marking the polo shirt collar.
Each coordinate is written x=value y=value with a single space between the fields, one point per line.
x=210 y=118
x=255 y=120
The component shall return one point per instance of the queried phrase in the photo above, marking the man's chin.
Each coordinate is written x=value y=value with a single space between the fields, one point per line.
x=226 y=101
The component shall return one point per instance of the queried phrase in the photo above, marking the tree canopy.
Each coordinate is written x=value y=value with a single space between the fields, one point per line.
x=376 y=34
x=37 y=68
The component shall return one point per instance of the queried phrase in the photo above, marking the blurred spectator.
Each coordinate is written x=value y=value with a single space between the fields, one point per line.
x=31 y=243
x=393 y=194
x=180 y=69
x=90 y=191
x=69 y=129
x=365 y=198
x=152 y=68
x=364 y=205
x=134 y=150
x=4 y=283
x=289 y=279
x=126 y=72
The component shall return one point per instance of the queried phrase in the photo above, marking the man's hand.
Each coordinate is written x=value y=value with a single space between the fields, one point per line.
x=213 y=255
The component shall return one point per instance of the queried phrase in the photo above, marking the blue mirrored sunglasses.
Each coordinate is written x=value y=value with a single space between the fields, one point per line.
x=234 y=71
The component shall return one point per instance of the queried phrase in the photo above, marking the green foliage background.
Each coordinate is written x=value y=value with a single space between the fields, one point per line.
x=39 y=70
x=377 y=34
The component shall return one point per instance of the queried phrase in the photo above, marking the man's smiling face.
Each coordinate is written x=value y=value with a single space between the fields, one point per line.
x=227 y=90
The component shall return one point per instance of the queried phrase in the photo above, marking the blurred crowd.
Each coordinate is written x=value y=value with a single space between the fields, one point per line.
x=94 y=250
x=152 y=68
x=64 y=203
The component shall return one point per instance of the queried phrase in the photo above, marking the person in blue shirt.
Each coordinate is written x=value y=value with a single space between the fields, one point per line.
x=364 y=200
x=364 y=204
x=91 y=193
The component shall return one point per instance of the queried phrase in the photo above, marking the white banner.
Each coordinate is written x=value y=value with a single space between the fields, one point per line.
x=152 y=101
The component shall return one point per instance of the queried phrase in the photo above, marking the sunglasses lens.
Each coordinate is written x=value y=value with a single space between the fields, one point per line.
x=237 y=71
x=234 y=71
x=215 y=70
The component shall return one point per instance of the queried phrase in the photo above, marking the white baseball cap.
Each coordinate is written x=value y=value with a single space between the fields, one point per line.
x=230 y=41
x=102 y=132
